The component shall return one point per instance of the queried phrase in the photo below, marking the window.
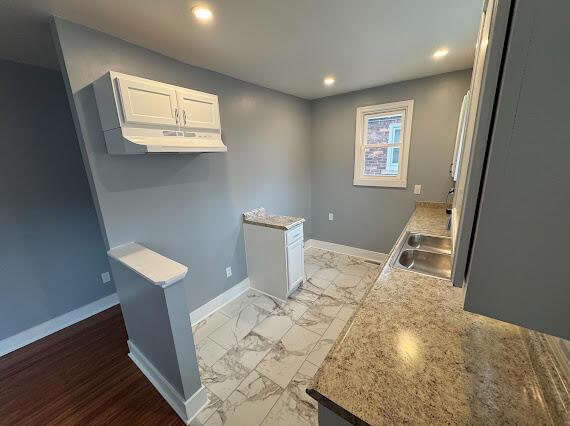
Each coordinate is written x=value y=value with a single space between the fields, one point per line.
x=382 y=144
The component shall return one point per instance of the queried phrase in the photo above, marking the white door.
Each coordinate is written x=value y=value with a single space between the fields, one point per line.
x=146 y=103
x=198 y=110
x=295 y=264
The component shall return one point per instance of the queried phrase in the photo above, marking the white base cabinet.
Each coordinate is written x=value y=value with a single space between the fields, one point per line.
x=275 y=259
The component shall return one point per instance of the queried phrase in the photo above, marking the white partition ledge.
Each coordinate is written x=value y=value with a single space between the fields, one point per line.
x=155 y=268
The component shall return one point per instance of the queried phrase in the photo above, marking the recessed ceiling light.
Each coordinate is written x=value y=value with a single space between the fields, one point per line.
x=440 y=53
x=329 y=81
x=202 y=13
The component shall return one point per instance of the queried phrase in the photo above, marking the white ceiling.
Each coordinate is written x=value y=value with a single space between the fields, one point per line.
x=286 y=45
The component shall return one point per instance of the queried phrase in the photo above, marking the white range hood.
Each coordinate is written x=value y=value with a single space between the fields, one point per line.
x=140 y=116
x=124 y=140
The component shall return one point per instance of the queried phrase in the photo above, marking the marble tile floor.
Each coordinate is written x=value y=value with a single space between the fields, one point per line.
x=257 y=354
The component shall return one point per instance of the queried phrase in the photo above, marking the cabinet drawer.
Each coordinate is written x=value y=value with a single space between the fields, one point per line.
x=294 y=234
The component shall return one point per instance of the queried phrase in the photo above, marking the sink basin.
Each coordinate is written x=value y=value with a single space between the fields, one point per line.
x=430 y=243
x=424 y=254
x=426 y=262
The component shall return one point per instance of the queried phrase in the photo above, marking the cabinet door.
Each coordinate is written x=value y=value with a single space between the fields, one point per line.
x=198 y=110
x=146 y=103
x=295 y=264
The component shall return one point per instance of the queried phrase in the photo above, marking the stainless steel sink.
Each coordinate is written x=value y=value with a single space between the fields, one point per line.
x=424 y=254
x=430 y=243
x=426 y=262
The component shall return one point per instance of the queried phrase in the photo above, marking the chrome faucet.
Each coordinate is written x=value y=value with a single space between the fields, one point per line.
x=448 y=209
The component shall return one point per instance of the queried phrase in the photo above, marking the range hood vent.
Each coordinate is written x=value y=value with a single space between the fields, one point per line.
x=141 y=141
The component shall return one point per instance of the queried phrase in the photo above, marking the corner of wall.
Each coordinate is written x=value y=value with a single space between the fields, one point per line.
x=55 y=27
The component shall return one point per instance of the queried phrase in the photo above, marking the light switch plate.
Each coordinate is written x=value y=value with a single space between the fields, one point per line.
x=105 y=277
x=417 y=189
x=228 y=271
x=331 y=216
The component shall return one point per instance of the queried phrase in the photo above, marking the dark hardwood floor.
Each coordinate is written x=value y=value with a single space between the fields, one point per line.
x=80 y=375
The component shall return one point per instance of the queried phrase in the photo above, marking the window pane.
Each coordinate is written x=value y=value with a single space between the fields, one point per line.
x=381 y=161
x=385 y=129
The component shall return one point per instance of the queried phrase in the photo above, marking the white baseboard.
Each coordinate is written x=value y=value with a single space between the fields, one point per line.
x=185 y=408
x=350 y=251
x=213 y=305
x=53 y=325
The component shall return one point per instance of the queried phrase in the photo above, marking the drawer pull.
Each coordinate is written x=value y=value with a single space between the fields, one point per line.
x=294 y=236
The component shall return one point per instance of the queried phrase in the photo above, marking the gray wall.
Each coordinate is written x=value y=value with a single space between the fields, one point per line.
x=188 y=207
x=518 y=270
x=51 y=250
x=371 y=217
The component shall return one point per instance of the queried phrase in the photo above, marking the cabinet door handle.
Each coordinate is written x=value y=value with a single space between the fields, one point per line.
x=184 y=116
x=176 y=115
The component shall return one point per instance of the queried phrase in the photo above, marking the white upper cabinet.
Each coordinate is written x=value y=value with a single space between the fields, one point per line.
x=198 y=110
x=147 y=103
x=141 y=116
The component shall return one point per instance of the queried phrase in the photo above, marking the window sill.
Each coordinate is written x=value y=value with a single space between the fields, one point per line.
x=379 y=182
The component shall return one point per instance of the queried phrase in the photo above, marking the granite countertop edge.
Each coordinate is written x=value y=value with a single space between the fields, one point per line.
x=291 y=225
x=315 y=394
x=260 y=217
x=427 y=219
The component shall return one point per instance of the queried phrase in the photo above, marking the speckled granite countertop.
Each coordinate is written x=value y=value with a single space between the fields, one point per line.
x=261 y=218
x=411 y=354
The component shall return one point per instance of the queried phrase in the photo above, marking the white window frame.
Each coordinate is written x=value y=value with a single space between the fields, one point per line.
x=392 y=129
x=406 y=108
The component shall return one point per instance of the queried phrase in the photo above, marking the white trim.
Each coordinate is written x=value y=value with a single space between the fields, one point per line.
x=223 y=299
x=460 y=137
x=374 y=256
x=186 y=409
x=406 y=108
x=53 y=325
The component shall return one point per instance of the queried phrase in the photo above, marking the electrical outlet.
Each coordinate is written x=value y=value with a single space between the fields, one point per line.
x=228 y=271
x=105 y=277
x=331 y=217
x=417 y=189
